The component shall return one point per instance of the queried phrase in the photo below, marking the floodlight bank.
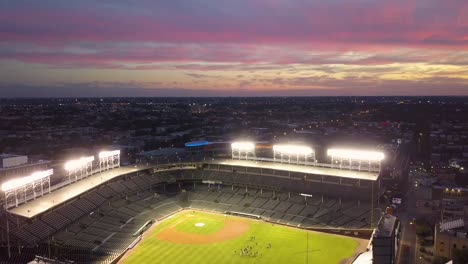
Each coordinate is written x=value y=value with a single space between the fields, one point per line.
x=105 y=154
x=75 y=164
x=293 y=149
x=243 y=146
x=356 y=154
x=16 y=183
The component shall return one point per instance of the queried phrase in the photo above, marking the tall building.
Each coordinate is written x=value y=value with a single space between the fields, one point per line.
x=385 y=240
x=451 y=234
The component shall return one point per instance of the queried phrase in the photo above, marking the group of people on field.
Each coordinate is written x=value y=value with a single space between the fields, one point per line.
x=249 y=250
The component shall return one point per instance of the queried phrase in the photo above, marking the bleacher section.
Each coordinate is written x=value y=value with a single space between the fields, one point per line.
x=290 y=209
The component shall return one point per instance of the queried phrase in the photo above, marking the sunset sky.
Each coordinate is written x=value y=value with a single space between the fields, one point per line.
x=233 y=48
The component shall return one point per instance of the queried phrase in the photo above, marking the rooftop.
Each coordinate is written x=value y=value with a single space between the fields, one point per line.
x=385 y=226
x=162 y=152
x=5 y=156
x=197 y=143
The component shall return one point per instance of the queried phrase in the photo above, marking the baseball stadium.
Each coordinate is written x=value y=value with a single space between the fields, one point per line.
x=282 y=207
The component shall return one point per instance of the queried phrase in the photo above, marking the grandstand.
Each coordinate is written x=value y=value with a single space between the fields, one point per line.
x=45 y=203
x=96 y=219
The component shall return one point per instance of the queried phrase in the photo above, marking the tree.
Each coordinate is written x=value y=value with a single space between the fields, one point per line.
x=423 y=230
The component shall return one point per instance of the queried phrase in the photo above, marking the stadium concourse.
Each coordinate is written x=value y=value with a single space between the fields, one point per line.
x=97 y=218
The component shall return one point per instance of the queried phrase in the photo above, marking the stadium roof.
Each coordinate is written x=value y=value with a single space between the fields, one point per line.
x=50 y=200
x=197 y=143
x=363 y=175
x=4 y=156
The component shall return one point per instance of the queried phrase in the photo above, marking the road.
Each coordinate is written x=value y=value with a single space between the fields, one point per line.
x=407 y=253
x=409 y=246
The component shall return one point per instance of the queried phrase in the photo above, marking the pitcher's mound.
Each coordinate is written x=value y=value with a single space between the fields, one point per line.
x=232 y=228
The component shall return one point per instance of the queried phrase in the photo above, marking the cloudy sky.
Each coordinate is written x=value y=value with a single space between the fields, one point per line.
x=229 y=48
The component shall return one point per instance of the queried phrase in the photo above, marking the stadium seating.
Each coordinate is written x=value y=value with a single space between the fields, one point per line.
x=100 y=224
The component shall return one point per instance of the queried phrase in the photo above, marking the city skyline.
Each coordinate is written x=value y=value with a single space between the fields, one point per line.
x=233 y=48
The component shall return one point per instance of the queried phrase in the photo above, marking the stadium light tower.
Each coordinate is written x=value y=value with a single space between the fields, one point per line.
x=242 y=150
x=20 y=186
x=109 y=160
x=80 y=168
x=356 y=159
x=293 y=154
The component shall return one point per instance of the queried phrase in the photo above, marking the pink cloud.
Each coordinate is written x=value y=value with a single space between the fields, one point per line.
x=381 y=23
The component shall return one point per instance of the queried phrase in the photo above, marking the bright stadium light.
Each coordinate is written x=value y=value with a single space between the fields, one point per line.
x=356 y=159
x=356 y=154
x=109 y=160
x=20 y=186
x=79 y=168
x=244 y=146
x=41 y=174
x=293 y=149
x=12 y=184
x=15 y=183
x=293 y=153
x=243 y=149
x=105 y=154
x=77 y=164
x=71 y=165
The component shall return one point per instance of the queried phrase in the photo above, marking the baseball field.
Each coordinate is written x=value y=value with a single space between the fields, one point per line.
x=198 y=237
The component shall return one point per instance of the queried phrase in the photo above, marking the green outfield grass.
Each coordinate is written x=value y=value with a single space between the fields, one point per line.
x=288 y=245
